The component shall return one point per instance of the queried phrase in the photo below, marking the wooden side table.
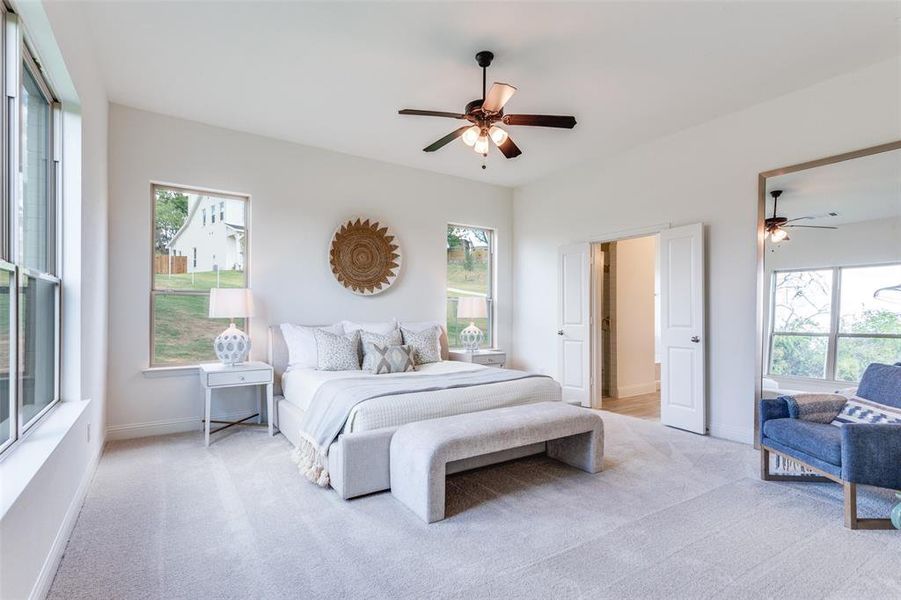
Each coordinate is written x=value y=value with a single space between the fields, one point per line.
x=215 y=376
x=489 y=358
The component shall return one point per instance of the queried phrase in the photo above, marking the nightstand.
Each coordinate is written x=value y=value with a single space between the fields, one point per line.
x=214 y=376
x=489 y=358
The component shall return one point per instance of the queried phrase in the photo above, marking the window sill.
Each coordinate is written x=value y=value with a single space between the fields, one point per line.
x=792 y=379
x=21 y=462
x=179 y=371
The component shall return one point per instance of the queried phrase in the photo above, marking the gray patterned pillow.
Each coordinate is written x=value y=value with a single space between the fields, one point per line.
x=337 y=352
x=426 y=344
x=390 y=359
x=366 y=338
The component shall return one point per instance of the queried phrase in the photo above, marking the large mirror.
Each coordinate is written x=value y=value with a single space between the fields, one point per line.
x=830 y=276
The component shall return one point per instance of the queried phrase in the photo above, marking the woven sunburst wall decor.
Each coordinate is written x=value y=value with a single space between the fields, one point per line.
x=364 y=256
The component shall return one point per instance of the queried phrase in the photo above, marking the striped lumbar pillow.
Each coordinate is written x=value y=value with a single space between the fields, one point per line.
x=861 y=410
x=390 y=359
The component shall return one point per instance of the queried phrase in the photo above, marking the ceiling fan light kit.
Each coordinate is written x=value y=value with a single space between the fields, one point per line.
x=485 y=113
x=775 y=226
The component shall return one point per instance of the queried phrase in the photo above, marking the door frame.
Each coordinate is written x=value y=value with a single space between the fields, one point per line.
x=595 y=343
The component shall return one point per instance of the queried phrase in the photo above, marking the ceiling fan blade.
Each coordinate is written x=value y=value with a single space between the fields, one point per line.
x=509 y=148
x=497 y=96
x=430 y=113
x=812 y=226
x=560 y=121
x=446 y=139
x=820 y=216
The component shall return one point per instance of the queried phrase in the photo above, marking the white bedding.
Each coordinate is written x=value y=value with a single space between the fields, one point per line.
x=300 y=385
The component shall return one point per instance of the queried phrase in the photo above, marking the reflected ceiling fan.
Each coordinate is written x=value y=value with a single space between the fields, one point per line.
x=776 y=226
x=484 y=116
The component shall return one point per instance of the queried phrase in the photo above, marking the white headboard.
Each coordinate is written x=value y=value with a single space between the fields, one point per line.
x=277 y=356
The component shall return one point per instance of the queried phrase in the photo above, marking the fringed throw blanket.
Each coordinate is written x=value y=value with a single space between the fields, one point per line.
x=334 y=400
x=818 y=408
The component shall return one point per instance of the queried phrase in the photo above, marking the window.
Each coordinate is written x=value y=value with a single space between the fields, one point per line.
x=203 y=211
x=470 y=274
x=222 y=211
x=831 y=323
x=30 y=286
x=181 y=332
x=213 y=213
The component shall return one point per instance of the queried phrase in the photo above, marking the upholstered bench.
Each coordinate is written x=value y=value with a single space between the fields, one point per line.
x=421 y=451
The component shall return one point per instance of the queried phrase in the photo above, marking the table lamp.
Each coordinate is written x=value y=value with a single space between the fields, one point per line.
x=472 y=307
x=232 y=345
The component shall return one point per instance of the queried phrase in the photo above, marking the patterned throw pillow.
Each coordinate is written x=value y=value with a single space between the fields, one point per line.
x=390 y=359
x=368 y=338
x=861 y=410
x=426 y=344
x=337 y=352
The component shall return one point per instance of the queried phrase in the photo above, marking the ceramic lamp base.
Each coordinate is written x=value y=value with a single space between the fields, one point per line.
x=232 y=346
x=471 y=337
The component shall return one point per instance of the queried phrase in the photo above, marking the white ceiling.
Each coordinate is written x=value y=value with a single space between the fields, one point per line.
x=862 y=189
x=333 y=75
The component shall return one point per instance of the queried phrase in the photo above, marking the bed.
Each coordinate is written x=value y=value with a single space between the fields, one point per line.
x=358 y=460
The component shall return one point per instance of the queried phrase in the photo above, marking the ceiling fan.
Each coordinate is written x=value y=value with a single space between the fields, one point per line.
x=776 y=226
x=484 y=115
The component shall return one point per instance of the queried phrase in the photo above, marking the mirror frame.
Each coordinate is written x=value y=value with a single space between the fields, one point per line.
x=761 y=236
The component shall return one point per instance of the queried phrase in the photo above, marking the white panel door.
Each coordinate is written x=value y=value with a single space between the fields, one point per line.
x=574 y=318
x=683 y=386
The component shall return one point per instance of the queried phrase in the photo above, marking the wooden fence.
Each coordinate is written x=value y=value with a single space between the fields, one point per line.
x=162 y=263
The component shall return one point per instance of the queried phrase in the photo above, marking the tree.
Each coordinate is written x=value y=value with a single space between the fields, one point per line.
x=171 y=212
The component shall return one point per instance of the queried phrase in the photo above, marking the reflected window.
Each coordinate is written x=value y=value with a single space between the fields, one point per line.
x=832 y=323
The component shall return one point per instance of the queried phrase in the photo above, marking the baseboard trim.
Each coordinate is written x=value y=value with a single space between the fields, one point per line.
x=167 y=426
x=58 y=548
x=638 y=389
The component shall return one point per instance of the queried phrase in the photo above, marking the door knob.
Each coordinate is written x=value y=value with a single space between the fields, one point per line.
x=559 y=332
x=695 y=339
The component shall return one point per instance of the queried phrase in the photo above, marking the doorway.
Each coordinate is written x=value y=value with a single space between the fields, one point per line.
x=681 y=349
x=626 y=322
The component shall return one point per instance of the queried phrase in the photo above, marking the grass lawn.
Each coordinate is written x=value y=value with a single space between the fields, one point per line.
x=471 y=281
x=200 y=281
x=183 y=333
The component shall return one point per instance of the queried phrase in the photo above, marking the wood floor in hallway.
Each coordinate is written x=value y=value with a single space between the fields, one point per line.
x=645 y=406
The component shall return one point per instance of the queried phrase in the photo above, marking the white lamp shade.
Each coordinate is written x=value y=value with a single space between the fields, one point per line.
x=472 y=307
x=230 y=303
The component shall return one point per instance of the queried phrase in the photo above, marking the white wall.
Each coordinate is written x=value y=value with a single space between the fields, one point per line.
x=298 y=196
x=636 y=371
x=46 y=476
x=708 y=174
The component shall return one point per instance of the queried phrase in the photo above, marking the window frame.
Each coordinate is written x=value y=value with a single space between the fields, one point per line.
x=492 y=269
x=196 y=190
x=17 y=60
x=833 y=335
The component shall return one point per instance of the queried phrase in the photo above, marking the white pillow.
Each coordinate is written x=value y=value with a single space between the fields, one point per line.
x=379 y=327
x=302 y=343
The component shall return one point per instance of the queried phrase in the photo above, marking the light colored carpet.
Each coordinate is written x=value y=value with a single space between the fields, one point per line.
x=674 y=515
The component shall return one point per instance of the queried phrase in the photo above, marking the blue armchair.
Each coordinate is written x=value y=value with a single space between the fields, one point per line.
x=865 y=454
